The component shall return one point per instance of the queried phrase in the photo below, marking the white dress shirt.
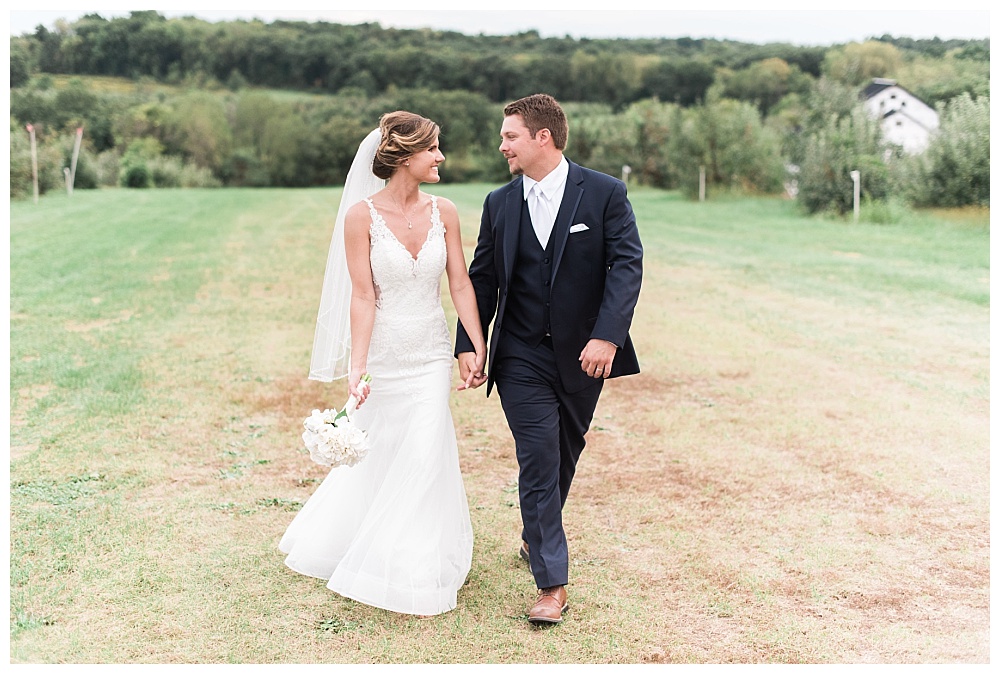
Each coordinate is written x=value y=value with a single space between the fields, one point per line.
x=544 y=197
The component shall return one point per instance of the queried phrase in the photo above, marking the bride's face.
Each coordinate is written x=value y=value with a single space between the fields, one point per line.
x=424 y=165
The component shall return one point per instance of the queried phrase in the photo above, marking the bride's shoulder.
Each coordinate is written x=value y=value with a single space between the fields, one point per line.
x=358 y=215
x=443 y=204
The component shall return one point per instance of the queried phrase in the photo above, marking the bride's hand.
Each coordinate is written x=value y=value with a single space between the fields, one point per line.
x=357 y=388
x=470 y=369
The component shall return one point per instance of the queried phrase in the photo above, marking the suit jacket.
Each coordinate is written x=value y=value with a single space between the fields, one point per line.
x=596 y=271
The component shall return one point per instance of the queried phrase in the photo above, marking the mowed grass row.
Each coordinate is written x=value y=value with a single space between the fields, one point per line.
x=800 y=474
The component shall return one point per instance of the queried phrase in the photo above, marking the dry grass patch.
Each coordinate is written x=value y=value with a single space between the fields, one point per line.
x=799 y=475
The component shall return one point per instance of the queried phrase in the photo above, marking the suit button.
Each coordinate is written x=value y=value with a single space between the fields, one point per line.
x=546 y=282
x=545 y=261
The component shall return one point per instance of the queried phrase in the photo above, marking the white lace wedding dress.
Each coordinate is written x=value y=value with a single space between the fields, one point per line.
x=394 y=530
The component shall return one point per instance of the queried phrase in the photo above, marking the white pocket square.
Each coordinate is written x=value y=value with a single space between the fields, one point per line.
x=578 y=228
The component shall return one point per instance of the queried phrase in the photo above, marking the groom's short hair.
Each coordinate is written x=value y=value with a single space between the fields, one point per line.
x=541 y=111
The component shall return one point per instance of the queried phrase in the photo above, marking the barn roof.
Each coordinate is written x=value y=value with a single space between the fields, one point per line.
x=878 y=84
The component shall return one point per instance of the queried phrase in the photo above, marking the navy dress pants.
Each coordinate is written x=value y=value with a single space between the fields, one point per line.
x=548 y=425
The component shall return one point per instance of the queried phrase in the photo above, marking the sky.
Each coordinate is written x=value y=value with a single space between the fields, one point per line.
x=774 y=22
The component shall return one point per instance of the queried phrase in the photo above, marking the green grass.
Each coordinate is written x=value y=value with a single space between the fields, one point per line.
x=797 y=475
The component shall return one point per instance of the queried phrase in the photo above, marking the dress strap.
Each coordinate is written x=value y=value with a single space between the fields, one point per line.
x=435 y=213
x=375 y=217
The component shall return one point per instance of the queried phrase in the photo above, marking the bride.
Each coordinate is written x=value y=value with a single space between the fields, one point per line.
x=394 y=530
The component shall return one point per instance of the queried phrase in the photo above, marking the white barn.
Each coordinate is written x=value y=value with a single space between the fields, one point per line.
x=906 y=120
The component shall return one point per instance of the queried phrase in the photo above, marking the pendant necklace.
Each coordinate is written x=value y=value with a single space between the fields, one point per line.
x=409 y=224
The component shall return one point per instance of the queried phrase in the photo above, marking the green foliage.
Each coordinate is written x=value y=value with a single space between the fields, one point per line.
x=729 y=140
x=798 y=117
x=20 y=161
x=107 y=165
x=663 y=107
x=134 y=170
x=955 y=168
x=137 y=175
x=321 y=56
x=652 y=163
x=940 y=79
x=857 y=63
x=889 y=211
x=172 y=172
x=852 y=143
x=86 y=176
x=50 y=160
x=681 y=82
x=764 y=83
x=20 y=62
x=197 y=129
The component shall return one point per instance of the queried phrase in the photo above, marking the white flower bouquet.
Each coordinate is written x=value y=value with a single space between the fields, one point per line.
x=332 y=438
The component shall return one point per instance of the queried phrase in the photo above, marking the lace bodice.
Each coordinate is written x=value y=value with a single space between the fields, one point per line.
x=410 y=326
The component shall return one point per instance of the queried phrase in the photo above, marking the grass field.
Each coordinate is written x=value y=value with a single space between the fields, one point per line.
x=799 y=475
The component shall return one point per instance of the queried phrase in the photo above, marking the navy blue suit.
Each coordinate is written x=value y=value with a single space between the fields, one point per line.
x=584 y=285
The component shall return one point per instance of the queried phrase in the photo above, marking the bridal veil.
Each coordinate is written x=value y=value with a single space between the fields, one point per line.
x=331 y=355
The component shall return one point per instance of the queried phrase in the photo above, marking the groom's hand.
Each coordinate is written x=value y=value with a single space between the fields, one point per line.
x=596 y=358
x=470 y=369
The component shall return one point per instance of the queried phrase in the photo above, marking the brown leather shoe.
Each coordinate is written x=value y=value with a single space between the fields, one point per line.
x=524 y=552
x=551 y=604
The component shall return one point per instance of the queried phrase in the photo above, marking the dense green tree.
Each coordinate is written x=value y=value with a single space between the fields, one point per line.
x=843 y=145
x=652 y=163
x=798 y=116
x=20 y=63
x=763 y=83
x=332 y=57
x=197 y=129
x=20 y=160
x=681 y=82
x=728 y=139
x=955 y=168
x=857 y=63
x=664 y=107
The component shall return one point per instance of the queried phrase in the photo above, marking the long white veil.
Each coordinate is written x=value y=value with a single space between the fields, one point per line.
x=331 y=356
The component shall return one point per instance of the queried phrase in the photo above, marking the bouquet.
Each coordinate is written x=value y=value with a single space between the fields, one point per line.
x=332 y=438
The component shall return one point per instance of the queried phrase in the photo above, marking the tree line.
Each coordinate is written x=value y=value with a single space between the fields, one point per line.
x=285 y=103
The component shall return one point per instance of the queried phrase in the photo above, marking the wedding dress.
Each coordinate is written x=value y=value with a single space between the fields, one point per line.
x=394 y=530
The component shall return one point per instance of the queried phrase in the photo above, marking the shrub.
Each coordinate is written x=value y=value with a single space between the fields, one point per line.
x=883 y=212
x=137 y=175
x=729 y=140
x=173 y=172
x=108 y=166
x=853 y=143
x=955 y=168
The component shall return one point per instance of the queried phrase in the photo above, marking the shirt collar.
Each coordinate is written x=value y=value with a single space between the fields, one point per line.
x=551 y=184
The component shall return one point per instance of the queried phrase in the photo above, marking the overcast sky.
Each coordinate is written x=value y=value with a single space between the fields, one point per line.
x=772 y=23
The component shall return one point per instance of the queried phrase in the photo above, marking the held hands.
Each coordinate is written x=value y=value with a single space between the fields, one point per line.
x=471 y=368
x=596 y=358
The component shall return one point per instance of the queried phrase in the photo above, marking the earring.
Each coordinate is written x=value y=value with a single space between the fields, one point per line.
x=407 y=163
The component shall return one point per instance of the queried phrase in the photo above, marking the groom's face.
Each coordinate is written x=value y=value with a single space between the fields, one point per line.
x=518 y=147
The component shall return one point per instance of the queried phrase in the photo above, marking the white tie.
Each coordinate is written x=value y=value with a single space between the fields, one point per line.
x=541 y=215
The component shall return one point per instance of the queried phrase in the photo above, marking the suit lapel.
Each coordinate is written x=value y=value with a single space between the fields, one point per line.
x=572 y=195
x=512 y=226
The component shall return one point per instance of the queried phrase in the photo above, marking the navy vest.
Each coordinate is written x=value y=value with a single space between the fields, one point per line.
x=527 y=314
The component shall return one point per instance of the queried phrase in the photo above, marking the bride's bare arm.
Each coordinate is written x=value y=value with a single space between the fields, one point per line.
x=357 y=242
x=463 y=296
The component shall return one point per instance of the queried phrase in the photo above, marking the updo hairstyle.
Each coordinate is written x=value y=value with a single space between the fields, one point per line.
x=403 y=135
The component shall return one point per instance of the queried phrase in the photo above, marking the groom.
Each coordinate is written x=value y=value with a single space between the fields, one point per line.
x=557 y=268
